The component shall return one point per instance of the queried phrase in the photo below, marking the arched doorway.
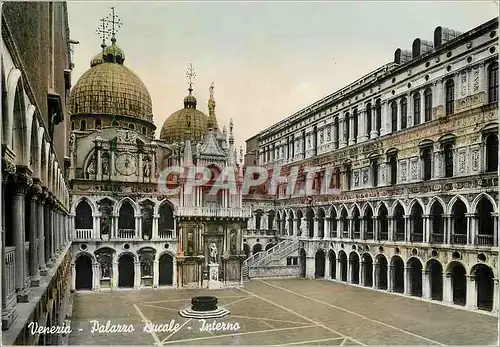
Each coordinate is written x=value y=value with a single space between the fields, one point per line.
x=435 y=276
x=257 y=248
x=333 y=264
x=398 y=275
x=302 y=263
x=166 y=269
x=382 y=272
x=83 y=267
x=126 y=271
x=354 y=263
x=367 y=270
x=458 y=283
x=269 y=245
x=319 y=264
x=484 y=285
x=343 y=266
x=415 y=268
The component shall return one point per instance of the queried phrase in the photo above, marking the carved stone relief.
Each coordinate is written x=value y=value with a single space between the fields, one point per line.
x=461 y=162
x=475 y=86
x=105 y=208
x=404 y=171
x=356 y=178
x=463 y=84
x=414 y=169
x=475 y=160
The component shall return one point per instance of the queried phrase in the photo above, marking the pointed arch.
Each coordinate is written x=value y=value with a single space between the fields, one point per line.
x=432 y=201
x=332 y=208
x=456 y=198
x=120 y=203
x=366 y=205
x=79 y=199
x=353 y=207
x=395 y=204
x=412 y=204
x=379 y=205
x=342 y=208
x=478 y=198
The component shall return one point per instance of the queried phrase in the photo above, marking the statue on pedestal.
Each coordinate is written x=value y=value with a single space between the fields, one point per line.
x=287 y=227
x=213 y=253
x=303 y=226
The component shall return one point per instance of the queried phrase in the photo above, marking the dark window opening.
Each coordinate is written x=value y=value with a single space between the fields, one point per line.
x=428 y=105
x=404 y=113
x=427 y=163
x=491 y=153
x=416 y=108
x=393 y=167
x=448 y=160
x=394 y=118
x=493 y=82
x=450 y=97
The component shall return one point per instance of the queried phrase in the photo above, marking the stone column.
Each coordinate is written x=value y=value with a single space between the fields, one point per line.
x=327 y=267
x=471 y=297
x=422 y=107
x=156 y=218
x=351 y=140
x=495 y=296
x=385 y=126
x=339 y=228
x=495 y=228
x=350 y=228
x=33 y=228
x=338 y=270
x=390 y=278
x=408 y=280
x=376 y=227
x=375 y=275
x=363 y=134
x=41 y=233
x=408 y=228
x=115 y=274
x=174 y=277
x=374 y=132
x=447 y=288
x=310 y=265
x=390 y=227
x=362 y=273
x=342 y=128
x=471 y=228
x=427 y=228
x=96 y=277
x=18 y=226
x=138 y=228
x=335 y=135
x=156 y=273
x=137 y=275
x=349 y=271
x=73 y=277
x=426 y=285
x=326 y=228
x=316 y=230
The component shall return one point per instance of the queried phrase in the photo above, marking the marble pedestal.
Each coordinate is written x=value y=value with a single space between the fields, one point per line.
x=213 y=277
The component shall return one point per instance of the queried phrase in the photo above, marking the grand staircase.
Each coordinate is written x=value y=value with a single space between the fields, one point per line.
x=267 y=263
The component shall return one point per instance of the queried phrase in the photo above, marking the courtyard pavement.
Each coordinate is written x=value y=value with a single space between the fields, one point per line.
x=281 y=312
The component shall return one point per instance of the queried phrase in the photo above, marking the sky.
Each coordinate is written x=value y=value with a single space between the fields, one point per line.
x=267 y=60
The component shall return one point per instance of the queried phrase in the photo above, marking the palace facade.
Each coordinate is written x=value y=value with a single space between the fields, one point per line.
x=414 y=150
x=130 y=227
x=35 y=203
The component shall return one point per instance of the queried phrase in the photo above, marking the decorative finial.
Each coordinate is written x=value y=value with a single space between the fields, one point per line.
x=231 y=125
x=191 y=75
x=115 y=22
x=103 y=32
x=212 y=91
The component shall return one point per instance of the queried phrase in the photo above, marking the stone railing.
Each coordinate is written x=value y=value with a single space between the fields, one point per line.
x=280 y=250
x=83 y=234
x=262 y=232
x=484 y=240
x=197 y=211
x=9 y=277
x=166 y=234
x=437 y=238
x=126 y=233
x=459 y=239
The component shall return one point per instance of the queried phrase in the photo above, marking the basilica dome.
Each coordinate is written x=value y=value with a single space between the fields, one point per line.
x=185 y=123
x=110 y=88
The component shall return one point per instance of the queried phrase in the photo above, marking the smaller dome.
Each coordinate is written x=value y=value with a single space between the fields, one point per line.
x=113 y=53
x=96 y=60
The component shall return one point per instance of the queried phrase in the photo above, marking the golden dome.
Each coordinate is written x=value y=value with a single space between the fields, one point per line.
x=110 y=88
x=185 y=123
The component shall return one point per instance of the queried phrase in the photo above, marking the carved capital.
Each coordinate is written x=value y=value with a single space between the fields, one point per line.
x=24 y=176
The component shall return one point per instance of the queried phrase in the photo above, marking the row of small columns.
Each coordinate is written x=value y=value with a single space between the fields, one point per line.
x=96 y=230
x=471 y=291
x=448 y=226
x=47 y=217
x=96 y=275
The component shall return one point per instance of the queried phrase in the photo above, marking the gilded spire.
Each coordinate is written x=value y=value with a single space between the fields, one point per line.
x=115 y=23
x=212 y=120
x=190 y=100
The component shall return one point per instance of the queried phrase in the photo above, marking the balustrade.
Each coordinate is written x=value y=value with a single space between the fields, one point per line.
x=215 y=211
x=9 y=278
x=356 y=235
x=484 y=240
x=399 y=237
x=417 y=237
x=83 y=233
x=166 y=234
x=459 y=239
x=437 y=238
x=126 y=233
